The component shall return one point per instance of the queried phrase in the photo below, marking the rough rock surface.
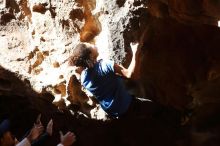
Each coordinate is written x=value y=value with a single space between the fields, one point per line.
x=40 y=36
x=180 y=66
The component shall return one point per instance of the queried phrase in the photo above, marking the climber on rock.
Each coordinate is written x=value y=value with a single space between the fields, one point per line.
x=103 y=78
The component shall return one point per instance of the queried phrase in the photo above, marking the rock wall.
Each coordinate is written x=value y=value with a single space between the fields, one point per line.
x=186 y=11
x=37 y=37
x=180 y=66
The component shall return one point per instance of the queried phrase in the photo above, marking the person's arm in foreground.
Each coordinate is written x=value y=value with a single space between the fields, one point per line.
x=35 y=132
x=67 y=140
x=42 y=139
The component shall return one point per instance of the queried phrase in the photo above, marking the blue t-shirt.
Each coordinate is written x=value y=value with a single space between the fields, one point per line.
x=107 y=87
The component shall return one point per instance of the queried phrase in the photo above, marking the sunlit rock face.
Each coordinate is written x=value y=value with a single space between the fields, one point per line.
x=180 y=64
x=37 y=37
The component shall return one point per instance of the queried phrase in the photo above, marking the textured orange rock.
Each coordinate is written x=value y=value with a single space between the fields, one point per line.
x=90 y=30
x=92 y=26
x=76 y=95
x=187 y=11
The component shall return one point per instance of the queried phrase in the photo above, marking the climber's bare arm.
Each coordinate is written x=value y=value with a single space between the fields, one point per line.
x=133 y=69
x=135 y=61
